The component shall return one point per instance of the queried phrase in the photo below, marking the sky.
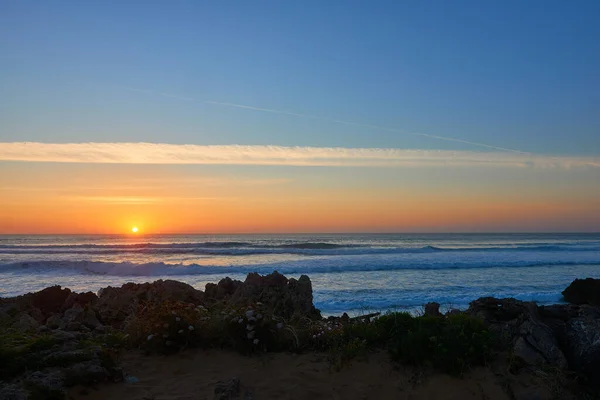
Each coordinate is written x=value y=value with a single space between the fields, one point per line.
x=270 y=116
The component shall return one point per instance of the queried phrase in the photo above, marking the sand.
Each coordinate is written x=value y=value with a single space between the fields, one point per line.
x=193 y=374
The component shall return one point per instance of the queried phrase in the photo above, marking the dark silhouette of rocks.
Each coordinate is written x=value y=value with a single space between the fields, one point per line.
x=583 y=291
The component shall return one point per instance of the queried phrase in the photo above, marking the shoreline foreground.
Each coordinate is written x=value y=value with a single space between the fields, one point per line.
x=264 y=338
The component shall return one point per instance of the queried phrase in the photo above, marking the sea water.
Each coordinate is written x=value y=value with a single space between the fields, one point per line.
x=353 y=273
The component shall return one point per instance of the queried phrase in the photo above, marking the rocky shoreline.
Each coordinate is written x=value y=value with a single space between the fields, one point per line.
x=55 y=338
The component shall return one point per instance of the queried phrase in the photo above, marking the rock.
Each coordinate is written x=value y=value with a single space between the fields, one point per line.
x=13 y=392
x=521 y=326
x=63 y=336
x=432 y=310
x=227 y=390
x=114 y=305
x=583 y=291
x=527 y=354
x=76 y=327
x=541 y=338
x=48 y=380
x=90 y=319
x=284 y=297
x=86 y=373
x=55 y=322
x=345 y=318
x=453 y=311
x=224 y=289
x=74 y=314
x=51 y=299
x=497 y=310
x=582 y=347
x=26 y=324
x=82 y=299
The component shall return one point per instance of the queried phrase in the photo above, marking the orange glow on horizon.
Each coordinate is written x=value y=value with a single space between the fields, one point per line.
x=52 y=199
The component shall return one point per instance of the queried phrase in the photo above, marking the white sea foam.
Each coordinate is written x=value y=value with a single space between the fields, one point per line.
x=348 y=272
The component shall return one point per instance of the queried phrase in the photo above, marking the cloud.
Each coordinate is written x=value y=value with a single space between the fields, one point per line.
x=160 y=153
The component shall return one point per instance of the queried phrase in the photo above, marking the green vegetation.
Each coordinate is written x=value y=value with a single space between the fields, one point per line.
x=451 y=344
x=20 y=351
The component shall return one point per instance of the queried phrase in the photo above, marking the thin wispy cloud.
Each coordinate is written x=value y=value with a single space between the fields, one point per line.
x=160 y=153
x=336 y=121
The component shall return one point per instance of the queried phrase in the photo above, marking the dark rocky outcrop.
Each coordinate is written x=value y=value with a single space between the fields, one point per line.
x=432 y=310
x=562 y=336
x=82 y=299
x=287 y=298
x=583 y=291
x=114 y=305
x=50 y=300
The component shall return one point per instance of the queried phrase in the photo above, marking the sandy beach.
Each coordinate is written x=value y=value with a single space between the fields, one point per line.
x=194 y=374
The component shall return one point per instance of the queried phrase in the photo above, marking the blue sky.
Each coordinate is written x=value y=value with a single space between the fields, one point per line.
x=515 y=74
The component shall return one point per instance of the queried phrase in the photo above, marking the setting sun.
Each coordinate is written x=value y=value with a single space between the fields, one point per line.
x=134 y=229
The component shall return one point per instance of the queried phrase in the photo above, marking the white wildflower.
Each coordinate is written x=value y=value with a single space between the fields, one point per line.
x=249 y=313
x=191 y=327
x=259 y=316
x=150 y=337
x=314 y=336
x=329 y=328
x=251 y=319
x=255 y=341
x=241 y=320
x=249 y=327
x=180 y=331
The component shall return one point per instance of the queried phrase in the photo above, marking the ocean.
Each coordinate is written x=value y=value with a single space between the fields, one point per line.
x=352 y=273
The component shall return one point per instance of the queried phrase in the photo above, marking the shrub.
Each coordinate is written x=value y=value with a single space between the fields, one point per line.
x=173 y=326
x=451 y=344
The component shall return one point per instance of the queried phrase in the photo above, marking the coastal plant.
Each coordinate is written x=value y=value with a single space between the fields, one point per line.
x=451 y=344
x=166 y=327
x=22 y=351
x=169 y=327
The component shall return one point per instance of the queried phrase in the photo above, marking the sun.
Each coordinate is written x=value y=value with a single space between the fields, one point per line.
x=134 y=229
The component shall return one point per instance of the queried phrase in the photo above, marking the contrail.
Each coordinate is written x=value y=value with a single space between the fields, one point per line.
x=269 y=155
x=336 y=121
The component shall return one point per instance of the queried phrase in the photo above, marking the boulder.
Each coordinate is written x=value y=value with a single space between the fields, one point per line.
x=55 y=322
x=227 y=390
x=26 y=323
x=82 y=299
x=86 y=373
x=583 y=291
x=51 y=299
x=582 y=347
x=519 y=323
x=432 y=310
x=541 y=339
x=74 y=314
x=114 y=305
x=286 y=298
x=223 y=290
